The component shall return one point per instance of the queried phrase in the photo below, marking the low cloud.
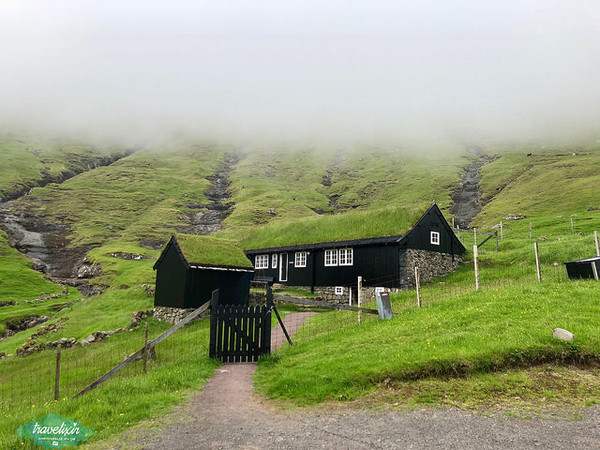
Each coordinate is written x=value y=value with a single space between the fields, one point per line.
x=268 y=69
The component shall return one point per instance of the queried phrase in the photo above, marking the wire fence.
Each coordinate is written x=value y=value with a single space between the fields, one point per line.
x=60 y=374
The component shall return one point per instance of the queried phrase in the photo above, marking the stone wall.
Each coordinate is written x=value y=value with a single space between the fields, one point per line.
x=174 y=315
x=327 y=293
x=431 y=264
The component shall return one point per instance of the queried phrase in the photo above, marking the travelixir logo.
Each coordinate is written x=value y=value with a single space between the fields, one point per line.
x=52 y=431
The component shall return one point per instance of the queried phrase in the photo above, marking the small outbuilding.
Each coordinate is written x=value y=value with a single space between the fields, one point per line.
x=191 y=267
x=583 y=268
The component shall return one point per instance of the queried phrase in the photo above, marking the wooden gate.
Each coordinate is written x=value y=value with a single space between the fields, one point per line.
x=239 y=333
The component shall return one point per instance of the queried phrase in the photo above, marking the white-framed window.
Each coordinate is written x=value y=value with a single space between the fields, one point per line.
x=346 y=256
x=331 y=258
x=273 y=261
x=261 y=262
x=300 y=259
x=339 y=290
x=435 y=238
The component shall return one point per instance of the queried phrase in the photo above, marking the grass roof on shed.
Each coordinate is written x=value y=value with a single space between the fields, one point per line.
x=206 y=250
x=391 y=221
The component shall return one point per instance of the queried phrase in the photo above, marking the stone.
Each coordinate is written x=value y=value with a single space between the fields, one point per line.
x=91 y=338
x=593 y=208
x=514 y=217
x=564 y=335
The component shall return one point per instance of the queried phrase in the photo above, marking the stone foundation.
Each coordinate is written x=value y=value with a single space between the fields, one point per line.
x=328 y=294
x=173 y=315
x=431 y=265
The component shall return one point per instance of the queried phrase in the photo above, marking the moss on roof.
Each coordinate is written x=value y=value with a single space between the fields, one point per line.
x=391 y=221
x=205 y=250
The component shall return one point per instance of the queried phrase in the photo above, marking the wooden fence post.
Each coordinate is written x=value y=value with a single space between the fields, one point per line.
x=458 y=231
x=57 y=375
x=418 y=285
x=572 y=227
x=475 y=236
x=476 y=264
x=537 y=262
x=497 y=246
x=597 y=243
x=146 y=350
x=214 y=306
x=359 y=299
x=501 y=231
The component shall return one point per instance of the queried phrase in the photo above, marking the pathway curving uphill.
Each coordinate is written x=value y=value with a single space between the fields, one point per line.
x=467 y=198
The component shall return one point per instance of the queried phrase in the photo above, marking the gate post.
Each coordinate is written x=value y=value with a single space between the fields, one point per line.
x=214 y=306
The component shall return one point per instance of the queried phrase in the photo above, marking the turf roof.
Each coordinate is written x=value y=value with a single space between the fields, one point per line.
x=391 y=221
x=205 y=250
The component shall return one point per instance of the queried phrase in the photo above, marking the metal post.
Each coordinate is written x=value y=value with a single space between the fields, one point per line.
x=418 y=285
x=572 y=227
x=594 y=270
x=359 y=299
x=537 y=262
x=497 y=246
x=476 y=264
x=597 y=243
x=530 y=231
x=501 y=231
x=57 y=375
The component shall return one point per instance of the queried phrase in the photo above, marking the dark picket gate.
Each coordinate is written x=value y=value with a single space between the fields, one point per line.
x=239 y=333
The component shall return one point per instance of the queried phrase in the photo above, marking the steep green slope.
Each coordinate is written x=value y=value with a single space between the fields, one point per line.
x=29 y=162
x=551 y=182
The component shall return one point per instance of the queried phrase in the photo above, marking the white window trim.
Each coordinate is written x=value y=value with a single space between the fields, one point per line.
x=300 y=259
x=274 y=258
x=434 y=237
x=348 y=257
x=261 y=262
x=333 y=260
x=339 y=290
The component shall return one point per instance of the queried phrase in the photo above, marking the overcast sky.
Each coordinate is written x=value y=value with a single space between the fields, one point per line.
x=302 y=68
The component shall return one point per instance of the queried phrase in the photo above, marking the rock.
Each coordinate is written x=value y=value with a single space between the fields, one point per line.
x=149 y=288
x=543 y=239
x=272 y=211
x=581 y=233
x=84 y=343
x=593 y=208
x=564 y=335
x=514 y=217
x=2 y=355
x=91 y=338
x=88 y=270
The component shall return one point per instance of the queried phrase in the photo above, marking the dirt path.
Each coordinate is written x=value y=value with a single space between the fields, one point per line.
x=227 y=415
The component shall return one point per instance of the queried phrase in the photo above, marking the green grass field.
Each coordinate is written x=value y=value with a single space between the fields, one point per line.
x=462 y=348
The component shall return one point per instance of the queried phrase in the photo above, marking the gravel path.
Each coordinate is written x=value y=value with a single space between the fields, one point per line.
x=226 y=415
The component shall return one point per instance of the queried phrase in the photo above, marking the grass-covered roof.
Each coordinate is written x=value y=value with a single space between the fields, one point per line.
x=391 y=221
x=205 y=250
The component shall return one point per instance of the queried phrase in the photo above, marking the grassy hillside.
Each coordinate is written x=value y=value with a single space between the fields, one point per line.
x=133 y=206
x=27 y=161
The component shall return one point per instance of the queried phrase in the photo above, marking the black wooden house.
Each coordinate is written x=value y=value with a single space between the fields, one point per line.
x=191 y=267
x=383 y=261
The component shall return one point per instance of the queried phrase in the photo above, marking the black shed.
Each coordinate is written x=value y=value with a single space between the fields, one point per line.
x=584 y=268
x=191 y=267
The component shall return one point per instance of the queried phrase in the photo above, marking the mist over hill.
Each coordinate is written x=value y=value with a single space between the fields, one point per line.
x=140 y=70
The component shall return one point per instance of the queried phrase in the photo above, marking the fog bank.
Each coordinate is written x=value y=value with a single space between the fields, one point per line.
x=357 y=70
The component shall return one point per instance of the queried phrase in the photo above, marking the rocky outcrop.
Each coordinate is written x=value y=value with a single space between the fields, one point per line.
x=206 y=218
x=20 y=323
